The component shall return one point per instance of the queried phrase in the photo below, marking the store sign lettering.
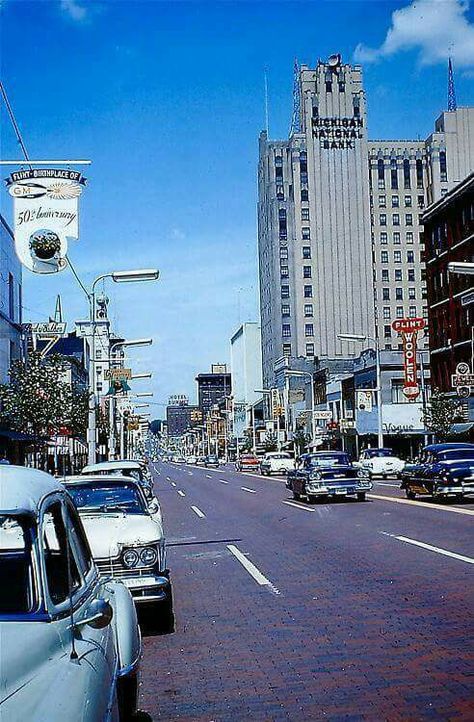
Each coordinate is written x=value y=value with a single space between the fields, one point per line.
x=337 y=133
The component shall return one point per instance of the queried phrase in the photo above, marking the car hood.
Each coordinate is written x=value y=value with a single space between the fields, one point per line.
x=107 y=534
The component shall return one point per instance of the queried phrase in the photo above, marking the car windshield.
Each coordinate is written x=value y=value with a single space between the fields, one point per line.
x=18 y=594
x=329 y=460
x=107 y=497
x=454 y=454
x=372 y=453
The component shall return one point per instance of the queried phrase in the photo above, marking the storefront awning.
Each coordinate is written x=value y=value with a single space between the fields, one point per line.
x=461 y=428
x=20 y=436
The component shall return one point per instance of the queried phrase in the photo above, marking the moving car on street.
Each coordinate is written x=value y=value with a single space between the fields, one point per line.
x=70 y=641
x=211 y=460
x=191 y=459
x=327 y=474
x=380 y=462
x=276 y=462
x=125 y=532
x=247 y=462
x=443 y=470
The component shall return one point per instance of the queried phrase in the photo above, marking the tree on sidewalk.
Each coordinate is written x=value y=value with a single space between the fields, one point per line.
x=440 y=414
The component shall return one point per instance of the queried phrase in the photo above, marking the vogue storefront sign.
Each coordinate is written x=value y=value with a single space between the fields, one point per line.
x=337 y=133
x=408 y=329
x=45 y=213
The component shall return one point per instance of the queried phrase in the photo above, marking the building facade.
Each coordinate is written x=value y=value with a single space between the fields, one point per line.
x=246 y=371
x=10 y=301
x=181 y=418
x=339 y=219
x=213 y=387
x=449 y=238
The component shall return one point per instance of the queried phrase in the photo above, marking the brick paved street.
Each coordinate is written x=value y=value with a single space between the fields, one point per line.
x=341 y=617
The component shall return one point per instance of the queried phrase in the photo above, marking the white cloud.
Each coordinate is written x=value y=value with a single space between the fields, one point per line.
x=75 y=11
x=437 y=28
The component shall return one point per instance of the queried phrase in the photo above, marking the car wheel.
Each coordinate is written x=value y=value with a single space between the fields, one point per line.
x=361 y=496
x=409 y=493
x=127 y=696
x=311 y=499
x=384 y=477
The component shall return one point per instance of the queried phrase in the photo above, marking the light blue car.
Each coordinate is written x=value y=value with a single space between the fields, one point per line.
x=70 y=642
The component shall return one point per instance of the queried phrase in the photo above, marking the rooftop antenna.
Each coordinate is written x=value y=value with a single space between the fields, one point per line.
x=295 y=126
x=58 y=312
x=452 y=105
x=265 y=80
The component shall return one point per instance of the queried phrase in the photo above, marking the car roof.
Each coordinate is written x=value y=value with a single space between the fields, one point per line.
x=448 y=446
x=23 y=488
x=111 y=466
x=91 y=478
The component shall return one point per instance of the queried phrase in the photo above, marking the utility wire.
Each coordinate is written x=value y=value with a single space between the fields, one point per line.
x=13 y=122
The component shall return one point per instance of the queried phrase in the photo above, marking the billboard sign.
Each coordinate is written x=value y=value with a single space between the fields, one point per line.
x=45 y=215
x=408 y=329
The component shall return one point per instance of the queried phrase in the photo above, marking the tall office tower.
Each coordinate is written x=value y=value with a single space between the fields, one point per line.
x=339 y=228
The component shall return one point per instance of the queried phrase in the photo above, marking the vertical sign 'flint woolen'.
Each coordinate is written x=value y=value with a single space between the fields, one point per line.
x=45 y=210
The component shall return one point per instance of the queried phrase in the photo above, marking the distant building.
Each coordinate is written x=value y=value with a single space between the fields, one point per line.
x=212 y=387
x=449 y=236
x=181 y=417
x=10 y=301
x=246 y=370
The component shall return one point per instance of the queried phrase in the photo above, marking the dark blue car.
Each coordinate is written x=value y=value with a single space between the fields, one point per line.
x=442 y=471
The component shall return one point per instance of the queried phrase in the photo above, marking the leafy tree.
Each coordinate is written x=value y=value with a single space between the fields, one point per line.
x=301 y=439
x=440 y=414
x=270 y=441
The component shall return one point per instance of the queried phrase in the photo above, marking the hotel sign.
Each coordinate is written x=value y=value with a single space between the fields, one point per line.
x=338 y=133
x=408 y=329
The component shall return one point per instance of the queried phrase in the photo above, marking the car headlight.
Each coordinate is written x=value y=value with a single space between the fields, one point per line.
x=315 y=476
x=149 y=556
x=362 y=474
x=130 y=558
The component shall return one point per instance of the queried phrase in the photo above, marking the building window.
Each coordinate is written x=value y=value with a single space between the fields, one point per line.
x=285 y=309
x=395 y=201
x=387 y=331
x=308 y=309
x=306 y=271
x=280 y=193
x=412 y=311
x=410 y=257
x=408 y=201
x=398 y=274
x=308 y=292
x=305 y=214
x=406 y=173
x=384 y=256
x=383 y=219
x=99 y=387
x=385 y=294
x=385 y=275
x=409 y=219
x=412 y=293
x=442 y=166
x=282 y=214
x=394 y=179
x=409 y=237
x=397 y=256
x=284 y=254
x=328 y=86
x=399 y=294
x=285 y=291
x=284 y=272
x=421 y=201
x=382 y=201
x=304 y=194
x=411 y=274
x=303 y=178
x=386 y=313
x=380 y=170
x=306 y=233
x=399 y=312
x=308 y=329
x=306 y=252
x=286 y=330
x=419 y=173
x=383 y=238
x=287 y=349
x=396 y=238
x=310 y=349
x=396 y=219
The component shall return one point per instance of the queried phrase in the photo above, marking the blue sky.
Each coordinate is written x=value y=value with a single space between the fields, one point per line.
x=166 y=98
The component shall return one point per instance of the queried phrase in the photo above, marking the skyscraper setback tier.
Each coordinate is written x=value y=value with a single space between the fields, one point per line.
x=340 y=246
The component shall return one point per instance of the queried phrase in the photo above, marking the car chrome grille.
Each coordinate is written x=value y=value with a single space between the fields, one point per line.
x=113 y=567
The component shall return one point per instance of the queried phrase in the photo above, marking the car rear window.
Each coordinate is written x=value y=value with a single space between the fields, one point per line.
x=18 y=595
x=454 y=454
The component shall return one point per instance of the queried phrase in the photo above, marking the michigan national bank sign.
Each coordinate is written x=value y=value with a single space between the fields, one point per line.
x=338 y=133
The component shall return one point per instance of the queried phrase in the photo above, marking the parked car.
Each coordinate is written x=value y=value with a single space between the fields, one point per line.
x=247 y=462
x=276 y=462
x=191 y=459
x=200 y=460
x=380 y=462
x=70 y=641
x=442 y=471
x=211 y=460
x=126 y=535
x=327 y=474
x=125 y=467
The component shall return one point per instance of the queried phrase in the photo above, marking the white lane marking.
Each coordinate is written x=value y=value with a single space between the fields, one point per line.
x=251 y=491
x=208 y=476
x=435 y=507
x=190 y=473
x=168 y=479
x=297 y=506
x=173 y=483
x=251 y=568
x=199 y=513
x=223 y=481
x=430 y=548
x=181 y=493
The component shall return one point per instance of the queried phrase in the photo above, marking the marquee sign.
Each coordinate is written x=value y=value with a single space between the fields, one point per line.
x=45 y=213
x=408 y=329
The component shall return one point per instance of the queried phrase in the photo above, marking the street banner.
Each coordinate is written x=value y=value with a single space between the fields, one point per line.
x=45 y=215
x=408 y=329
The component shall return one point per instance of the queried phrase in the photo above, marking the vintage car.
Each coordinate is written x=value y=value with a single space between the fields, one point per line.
x=125 y=467
x=380 y=462
x=70 y=642
x=276 y=462
x=211 y=460
x=327 y=474
x=443 y=470
x=247 y=462
x=191 y=459
x=125 y=532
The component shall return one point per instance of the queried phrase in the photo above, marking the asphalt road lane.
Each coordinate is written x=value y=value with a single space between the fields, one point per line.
x=286 y=611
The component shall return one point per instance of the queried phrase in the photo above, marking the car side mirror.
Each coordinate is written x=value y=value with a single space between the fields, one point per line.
x=99 y=614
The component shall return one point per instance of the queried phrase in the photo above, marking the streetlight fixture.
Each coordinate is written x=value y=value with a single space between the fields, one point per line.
x=142 y=274
x=147 y=375
x=289 y=372
x=361 y=338
x=463 y=267
x=144 y=394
